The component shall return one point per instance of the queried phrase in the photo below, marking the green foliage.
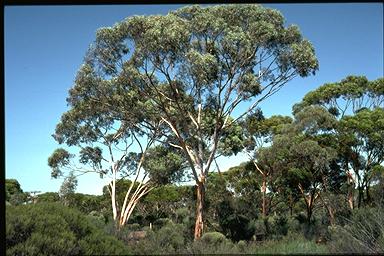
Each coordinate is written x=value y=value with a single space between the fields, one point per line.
x=14 y=193
x=68 y=187
x=87 y=203
x=232 y=140
x=49 y=197
x=178 y=79
x=277 y=226
x=212 y=243
x=169 y=239
x=59 y=158
x=164 y=165
x=235 y=225
x=346 y=96
x=213 y=238
x=53 y=229
x=178 y=61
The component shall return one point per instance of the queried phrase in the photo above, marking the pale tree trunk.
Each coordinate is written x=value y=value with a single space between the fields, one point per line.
x=264 y=176
x=351 y=184
x=200 y=167
x=130 y=201
x=350 y=200
x=263 y=190
x=122 y=213
x=112 y=192
x=199 y=224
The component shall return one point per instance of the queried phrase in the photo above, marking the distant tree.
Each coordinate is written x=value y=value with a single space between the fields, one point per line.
x=49 y=197
x=304 y=163
x=111 y=141
x=194 y=67
x=362 y=138
x=68 y=188
x=345 y=99
x=13 y=192
x=259 y=131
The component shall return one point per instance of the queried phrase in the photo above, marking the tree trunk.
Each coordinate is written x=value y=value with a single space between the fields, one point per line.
x=309 y=214
x=360 y=196
x=263 y=190
x=331 y=216
x=350 y=198
x=199 y=225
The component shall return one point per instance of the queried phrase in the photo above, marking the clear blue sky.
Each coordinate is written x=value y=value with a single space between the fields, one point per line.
x=45 y=45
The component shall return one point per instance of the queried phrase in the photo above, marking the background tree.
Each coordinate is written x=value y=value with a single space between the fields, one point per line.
x=13 y=192
x=196 y=66
x=304 y=163
x=345 y=99
x=363 y=134
x=259 y=131
x=49 y=197
x=68 y=188
x=111 y=141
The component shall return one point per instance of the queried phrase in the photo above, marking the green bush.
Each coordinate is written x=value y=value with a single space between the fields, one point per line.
x=213 y=238
x=364 y=233
x=53 y=229
x=168 y=239
x=212 y=243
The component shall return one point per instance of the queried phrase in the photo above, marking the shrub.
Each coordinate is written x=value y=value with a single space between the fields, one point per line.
x=168 y=239
x=212 y=243
x=213 y=238
x=53 y=229
x=159 y=223
x=364 y=233
x=260 y=229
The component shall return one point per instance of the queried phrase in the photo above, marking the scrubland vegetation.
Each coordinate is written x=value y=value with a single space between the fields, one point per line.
x=159 y=99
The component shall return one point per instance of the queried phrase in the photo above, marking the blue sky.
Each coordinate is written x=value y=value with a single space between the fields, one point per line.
x=45 y=45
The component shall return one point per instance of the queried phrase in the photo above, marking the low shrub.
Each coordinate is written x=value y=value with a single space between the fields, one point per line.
x=168 y=239
x=364 y=233
x=53 y=229
x=212 y=243
x=213 y=238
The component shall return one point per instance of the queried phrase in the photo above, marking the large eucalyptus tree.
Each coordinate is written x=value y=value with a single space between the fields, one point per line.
x=197 y=71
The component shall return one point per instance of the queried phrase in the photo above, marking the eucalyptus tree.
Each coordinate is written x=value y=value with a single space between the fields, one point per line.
x=363 y=137
x=13 y=192
x=258 y=132
x=68 y=188
x=105 y=125
x=299 y=156
x=346 y=99
x=200 y=70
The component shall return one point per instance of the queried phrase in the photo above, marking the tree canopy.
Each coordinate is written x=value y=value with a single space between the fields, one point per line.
x=179 y=78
